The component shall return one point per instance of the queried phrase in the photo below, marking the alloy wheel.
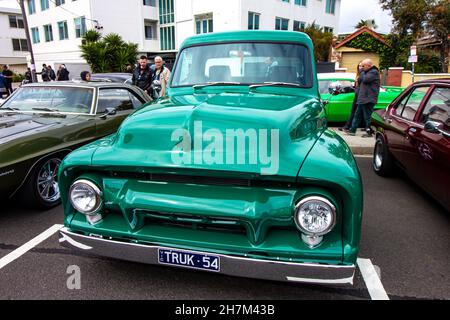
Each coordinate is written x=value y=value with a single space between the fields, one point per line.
x=47 y=181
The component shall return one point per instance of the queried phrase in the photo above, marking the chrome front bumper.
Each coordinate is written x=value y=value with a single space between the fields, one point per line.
x=230 y=265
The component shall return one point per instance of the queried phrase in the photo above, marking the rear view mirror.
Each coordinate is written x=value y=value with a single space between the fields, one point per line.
x=347 y=89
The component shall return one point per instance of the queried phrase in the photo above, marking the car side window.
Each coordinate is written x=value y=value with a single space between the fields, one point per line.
x=409 y=105
x=119 y=99
x=438 y=108
x=137 y=102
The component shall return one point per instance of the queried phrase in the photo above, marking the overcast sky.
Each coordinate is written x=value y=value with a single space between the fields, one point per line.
x=352 y=11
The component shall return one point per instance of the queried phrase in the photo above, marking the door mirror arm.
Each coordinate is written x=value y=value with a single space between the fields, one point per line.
x=109 y=112
x=433 y=127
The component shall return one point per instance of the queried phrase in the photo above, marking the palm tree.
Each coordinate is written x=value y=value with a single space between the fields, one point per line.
x=370 y=23
x=107 y=54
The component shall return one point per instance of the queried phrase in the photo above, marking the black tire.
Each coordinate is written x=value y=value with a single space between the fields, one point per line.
x=382 y=162
x=40 y=190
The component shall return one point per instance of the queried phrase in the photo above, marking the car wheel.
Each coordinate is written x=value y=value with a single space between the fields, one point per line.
x=41 y=191
x=382 y=163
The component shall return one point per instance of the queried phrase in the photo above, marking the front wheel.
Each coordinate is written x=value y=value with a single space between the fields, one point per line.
x=41 y=190
x=382 y=163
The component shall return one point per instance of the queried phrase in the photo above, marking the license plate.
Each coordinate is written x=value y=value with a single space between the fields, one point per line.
x=189 y=259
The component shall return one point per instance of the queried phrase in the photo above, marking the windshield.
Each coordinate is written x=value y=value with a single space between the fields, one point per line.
x=244 y=63
x=54 y=99
x=325 y=85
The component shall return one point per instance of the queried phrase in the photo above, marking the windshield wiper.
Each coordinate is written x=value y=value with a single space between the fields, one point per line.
x=218 y=83
x=276 y=84
x=45 y=109
x=9 y=108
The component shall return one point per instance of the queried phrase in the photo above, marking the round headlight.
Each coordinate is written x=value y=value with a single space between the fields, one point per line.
x=315 y=216
x=85 y=197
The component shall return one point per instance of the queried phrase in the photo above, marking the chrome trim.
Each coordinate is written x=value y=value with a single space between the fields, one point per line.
x=316 y=198
x=98 y=197
x=229 y=264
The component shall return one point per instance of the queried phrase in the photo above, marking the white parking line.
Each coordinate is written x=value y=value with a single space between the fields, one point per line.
x=373 y=282
x=10 y=257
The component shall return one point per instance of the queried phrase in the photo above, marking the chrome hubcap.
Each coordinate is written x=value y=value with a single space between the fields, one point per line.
x=47 y=181
x=378 y=158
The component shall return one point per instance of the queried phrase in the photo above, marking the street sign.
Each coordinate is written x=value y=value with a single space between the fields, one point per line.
x=413 y=59
x=413 y=51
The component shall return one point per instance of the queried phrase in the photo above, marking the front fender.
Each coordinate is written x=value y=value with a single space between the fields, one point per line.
x=331 y=165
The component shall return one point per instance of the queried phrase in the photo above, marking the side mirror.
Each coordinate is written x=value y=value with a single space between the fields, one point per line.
x=347 y=89
x=109 y=112
x=433 y=127
x=333 y=90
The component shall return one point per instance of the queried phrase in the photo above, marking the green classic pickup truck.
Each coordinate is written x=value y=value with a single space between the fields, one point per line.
x=233 y=172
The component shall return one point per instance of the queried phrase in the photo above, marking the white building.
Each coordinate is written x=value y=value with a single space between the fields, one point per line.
x=160 y=26
x=13 y=43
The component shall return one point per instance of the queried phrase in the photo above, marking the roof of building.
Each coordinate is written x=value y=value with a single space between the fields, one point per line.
x=359 y=32
x=10 y=10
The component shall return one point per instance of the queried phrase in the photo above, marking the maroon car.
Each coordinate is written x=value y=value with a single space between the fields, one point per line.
x=414 y=133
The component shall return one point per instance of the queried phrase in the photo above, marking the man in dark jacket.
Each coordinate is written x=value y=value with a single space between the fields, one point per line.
x=63 y=73
x=369 y=89
x=8 y=79
x=143 y=75
x=51 y=73
x=44 y=73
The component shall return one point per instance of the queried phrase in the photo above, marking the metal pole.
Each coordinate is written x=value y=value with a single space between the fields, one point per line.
x=30 y=47
x=413 y=72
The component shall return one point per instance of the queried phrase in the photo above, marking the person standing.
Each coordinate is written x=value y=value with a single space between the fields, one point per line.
x=369 y=89
x=51 y=73
x=44 y=73
x=142 y=75
x=348 y=124
x=28 y=76
x=162 y=74
x=2 y=86
x=62 y=74
x=8 y=75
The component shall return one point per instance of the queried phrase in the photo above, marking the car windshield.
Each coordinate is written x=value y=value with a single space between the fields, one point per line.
x=51 y=99
x=325 y=85
x=244 y=63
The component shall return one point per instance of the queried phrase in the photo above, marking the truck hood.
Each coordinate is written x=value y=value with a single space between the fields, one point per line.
x=201 y=133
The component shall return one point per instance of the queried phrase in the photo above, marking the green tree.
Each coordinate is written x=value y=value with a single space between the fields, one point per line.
x=367 y=23
x=439 y=26
x=415 y=17
x=109 y=53
x=408 y=15
x=321 y=41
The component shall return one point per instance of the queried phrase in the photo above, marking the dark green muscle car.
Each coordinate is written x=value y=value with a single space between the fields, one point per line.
x=41 y=123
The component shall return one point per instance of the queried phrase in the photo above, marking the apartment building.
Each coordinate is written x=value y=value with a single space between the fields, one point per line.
x=13 y=43
x=160 y=26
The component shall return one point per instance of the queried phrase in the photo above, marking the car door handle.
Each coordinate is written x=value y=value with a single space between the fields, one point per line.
x=412 y=131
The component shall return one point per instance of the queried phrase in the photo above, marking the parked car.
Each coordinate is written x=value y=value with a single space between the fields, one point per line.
x=41 y=123
x=338 y=89
x=413 y=134
x=151 y=193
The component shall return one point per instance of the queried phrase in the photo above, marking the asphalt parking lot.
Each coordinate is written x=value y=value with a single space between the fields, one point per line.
x=405 y=235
